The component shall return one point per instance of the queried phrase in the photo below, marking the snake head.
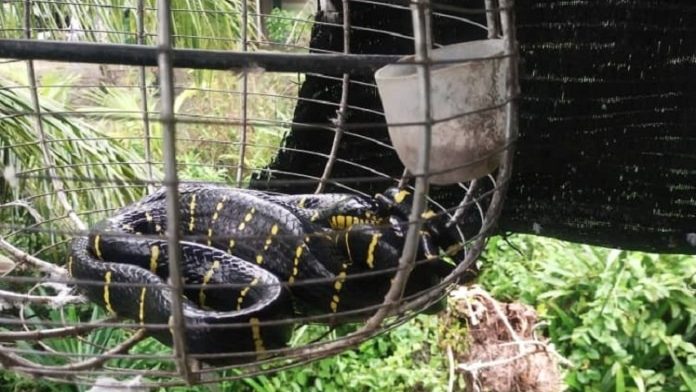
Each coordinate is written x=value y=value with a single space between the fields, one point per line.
x=351 y=211
x=395 y=201
x=448 y=238
x=366 y=209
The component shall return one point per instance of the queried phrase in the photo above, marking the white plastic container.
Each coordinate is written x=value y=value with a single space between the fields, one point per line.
x=467 y=146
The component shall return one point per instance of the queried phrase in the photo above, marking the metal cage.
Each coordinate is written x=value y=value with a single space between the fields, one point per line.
x=49 y=201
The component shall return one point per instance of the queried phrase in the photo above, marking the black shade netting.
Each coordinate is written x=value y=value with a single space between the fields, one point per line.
x=607 y=122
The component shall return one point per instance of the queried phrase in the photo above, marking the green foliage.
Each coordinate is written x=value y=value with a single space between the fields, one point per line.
x=404 y=359
x=82 y=348
x=80 y=155
x=626 y=320
x=286 y=27
x=210 y=150
x=200 y=24
x=209 y=24
x=15 y=382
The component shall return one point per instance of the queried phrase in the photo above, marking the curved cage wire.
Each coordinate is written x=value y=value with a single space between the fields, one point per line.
x=153 y=112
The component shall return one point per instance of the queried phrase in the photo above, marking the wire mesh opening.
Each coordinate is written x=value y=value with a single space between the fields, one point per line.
x=160 y=99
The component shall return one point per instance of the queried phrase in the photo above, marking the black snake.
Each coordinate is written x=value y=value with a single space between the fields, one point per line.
x=250 y=261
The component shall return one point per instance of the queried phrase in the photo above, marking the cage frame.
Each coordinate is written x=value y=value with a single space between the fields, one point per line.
x=166 y=58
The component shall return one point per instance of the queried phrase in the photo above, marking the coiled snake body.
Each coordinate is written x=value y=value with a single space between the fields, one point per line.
x=250 y=260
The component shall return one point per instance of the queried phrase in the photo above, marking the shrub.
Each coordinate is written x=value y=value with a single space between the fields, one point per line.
x=626 y=320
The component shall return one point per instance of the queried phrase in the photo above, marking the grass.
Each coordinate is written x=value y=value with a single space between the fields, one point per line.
x=202 y=24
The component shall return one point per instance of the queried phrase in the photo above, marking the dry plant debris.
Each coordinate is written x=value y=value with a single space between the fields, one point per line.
x=492 y=346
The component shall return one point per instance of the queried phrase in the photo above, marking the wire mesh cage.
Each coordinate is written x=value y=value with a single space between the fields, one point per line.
x=136 y=129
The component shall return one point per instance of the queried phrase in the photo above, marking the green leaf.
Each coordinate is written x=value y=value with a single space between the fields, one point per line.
x=620 y=382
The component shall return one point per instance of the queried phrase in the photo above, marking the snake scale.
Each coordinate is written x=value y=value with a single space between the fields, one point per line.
x=251 y=261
